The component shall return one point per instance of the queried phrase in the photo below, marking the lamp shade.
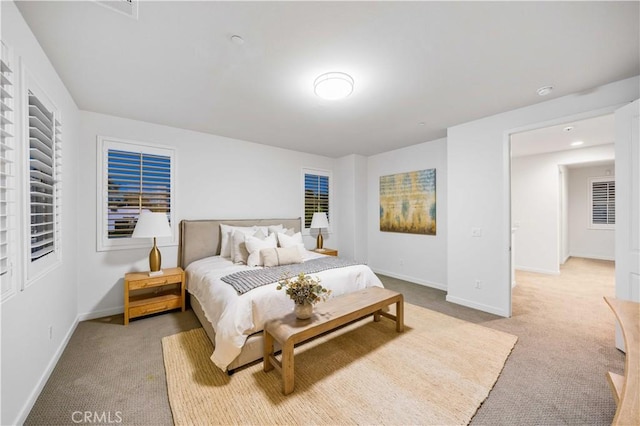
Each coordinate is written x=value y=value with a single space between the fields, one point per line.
x=151 y=225
x=319 y=220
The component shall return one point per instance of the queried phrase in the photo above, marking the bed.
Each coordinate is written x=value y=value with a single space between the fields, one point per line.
x=232 y=321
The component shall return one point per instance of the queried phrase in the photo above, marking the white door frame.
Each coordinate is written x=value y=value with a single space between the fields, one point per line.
x=627 y=206
x=507 y=140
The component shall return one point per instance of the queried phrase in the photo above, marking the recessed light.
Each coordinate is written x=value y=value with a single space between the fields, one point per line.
x=577 y=143
x=544 y=91
x=568 y=128
x=333 y=85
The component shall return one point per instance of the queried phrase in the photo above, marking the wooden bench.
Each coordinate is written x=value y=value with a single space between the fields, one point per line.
x=327 y=316
x=626 y=389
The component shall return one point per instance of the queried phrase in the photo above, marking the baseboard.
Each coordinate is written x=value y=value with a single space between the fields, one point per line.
x=99 y=314
x=477 y=306
x=415 y=280
x=536 y=270
x=592 y=256
x=26 y=409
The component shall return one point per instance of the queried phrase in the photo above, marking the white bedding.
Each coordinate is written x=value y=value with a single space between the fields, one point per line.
x=234 y=317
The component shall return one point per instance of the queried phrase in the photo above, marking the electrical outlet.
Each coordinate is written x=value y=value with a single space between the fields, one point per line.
x=478 y=284
x=401 y=262
x=476 y=232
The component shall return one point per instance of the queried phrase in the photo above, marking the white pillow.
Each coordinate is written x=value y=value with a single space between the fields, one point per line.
x=294 y=240
x=274 y=229
x=225 y=237
x=254 y=245
x=239 y=253
x=280 y=256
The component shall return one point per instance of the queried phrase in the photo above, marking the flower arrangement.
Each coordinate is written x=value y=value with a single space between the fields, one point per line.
x=303 y=288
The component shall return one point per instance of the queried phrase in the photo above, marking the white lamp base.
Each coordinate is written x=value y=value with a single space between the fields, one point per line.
x=156 y=273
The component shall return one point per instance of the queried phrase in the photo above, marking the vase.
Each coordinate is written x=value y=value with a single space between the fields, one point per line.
x=303 y=310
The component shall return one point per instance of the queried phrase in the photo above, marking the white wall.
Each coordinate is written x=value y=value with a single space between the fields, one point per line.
x=351 y=190
x=584 y=241
x=28 y=355
x=536 y=200
x=417 y=258
x=217 y=178
x=478 y=180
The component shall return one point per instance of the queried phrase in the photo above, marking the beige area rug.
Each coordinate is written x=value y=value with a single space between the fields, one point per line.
x=437 y=372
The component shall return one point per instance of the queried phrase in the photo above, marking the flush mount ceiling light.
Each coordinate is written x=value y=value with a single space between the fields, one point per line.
x=236 y=39
x=577 y=143
x=544 y=91
x=333 y=85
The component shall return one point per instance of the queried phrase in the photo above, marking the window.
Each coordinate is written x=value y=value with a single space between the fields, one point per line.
x=133 y=177
x=7 y=178
x=602 y=211
x=317 y=194
x=45 y=182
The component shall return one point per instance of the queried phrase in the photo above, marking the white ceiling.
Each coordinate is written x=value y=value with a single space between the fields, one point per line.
x=593 y=131
x=437 y=63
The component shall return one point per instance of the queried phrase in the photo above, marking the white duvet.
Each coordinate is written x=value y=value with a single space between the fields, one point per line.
x=234 y=317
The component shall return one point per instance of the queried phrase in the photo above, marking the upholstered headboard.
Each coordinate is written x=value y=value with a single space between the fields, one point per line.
x=201 y=238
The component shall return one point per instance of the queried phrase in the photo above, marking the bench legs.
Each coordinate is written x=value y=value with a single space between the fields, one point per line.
x=268 y=352
x=398 y=317
x=286 y=368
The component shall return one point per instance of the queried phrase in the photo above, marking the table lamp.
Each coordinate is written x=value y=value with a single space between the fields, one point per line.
x=153 y=225
x=318 y=222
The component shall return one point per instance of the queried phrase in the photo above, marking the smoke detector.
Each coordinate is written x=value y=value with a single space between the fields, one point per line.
x=544 y=91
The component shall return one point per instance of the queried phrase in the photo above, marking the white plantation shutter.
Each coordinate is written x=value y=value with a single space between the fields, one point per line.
x=44 y=183
x=134 y=177
x=603 y=202
x=7 y=178
x=316 y=194
x=137 y=181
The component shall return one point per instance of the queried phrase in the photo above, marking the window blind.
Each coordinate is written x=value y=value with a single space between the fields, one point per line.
x=136 y=181
x=7 y=182
x=603 y=207
x=44 y=173
x=316 y=196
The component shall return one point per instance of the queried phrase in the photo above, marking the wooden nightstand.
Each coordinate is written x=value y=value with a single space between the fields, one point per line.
x=138 y=303
x=327 y=251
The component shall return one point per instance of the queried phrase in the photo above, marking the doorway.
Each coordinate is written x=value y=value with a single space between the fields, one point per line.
x=550 y=171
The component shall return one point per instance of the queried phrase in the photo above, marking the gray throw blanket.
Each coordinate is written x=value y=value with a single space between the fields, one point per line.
x=244 y=281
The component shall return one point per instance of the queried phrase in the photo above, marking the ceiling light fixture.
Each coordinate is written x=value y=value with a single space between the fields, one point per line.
x=577 y=143
x=544 y=91
x=236 y=39
x=333 y=85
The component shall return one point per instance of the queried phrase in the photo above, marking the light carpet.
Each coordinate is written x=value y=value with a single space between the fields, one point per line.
x=438 y=372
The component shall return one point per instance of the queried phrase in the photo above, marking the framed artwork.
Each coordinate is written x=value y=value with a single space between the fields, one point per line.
x=408 y=202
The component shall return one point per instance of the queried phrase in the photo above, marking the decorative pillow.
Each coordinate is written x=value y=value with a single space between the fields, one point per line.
x=280 y=256
x=254 y=245
x=289 y=240
x=274 y=229
x=225 y=237
x=239 y=252
x=294 y=240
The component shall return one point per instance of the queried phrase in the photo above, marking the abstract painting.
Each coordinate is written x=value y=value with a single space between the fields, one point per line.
x=408 y=202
